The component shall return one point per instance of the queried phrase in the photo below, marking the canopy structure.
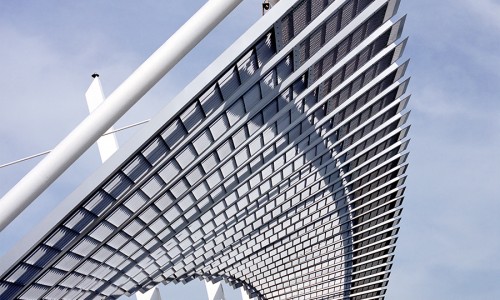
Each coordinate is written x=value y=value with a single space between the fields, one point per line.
x=279 y=169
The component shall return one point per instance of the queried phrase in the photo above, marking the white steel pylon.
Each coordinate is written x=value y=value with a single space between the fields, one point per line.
x=215 y=290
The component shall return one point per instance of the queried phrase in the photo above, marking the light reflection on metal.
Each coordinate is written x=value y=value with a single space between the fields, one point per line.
x=280 y=169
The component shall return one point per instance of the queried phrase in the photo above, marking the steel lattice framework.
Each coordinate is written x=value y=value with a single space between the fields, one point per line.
x=279 y=169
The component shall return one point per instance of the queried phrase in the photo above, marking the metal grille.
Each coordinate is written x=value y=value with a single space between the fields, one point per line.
x=284 y=178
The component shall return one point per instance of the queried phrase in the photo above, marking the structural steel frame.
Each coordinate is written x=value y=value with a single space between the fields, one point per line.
x=279 y=169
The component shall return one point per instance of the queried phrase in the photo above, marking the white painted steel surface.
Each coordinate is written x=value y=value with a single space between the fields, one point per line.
x=245 y=296
x=280 y=169
x=107 y=144
x=152 y=294
x=215 y=291
x=115 y=106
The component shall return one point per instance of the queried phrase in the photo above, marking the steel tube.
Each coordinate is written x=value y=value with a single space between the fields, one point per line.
x=115 y=106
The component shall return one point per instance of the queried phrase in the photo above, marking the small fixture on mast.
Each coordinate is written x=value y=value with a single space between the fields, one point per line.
x=267 y=5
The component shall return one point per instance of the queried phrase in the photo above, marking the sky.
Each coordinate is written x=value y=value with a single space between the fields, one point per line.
x=449 y=238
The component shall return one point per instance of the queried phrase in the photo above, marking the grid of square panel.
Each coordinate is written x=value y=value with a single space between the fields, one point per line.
x=285 y=175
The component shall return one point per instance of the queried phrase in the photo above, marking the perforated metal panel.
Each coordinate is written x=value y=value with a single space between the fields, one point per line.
x=283 y=172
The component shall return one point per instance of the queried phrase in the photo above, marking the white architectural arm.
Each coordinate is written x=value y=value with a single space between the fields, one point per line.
x=115 y=106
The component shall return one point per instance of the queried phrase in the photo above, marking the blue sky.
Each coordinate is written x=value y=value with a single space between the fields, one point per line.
x=449 y=240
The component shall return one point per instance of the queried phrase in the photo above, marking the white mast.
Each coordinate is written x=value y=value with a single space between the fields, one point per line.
x=108 y=143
